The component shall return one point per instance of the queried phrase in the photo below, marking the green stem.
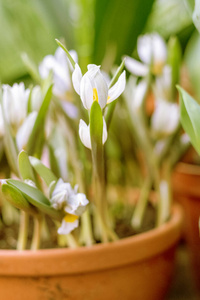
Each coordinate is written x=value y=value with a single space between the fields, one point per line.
x=102 y=214
x=35 y=245
x=23 y=231
x=86 y=236
x=141 y=204
x=71 y=241
x=142 y=137
x=86 y=228
x=166 y=191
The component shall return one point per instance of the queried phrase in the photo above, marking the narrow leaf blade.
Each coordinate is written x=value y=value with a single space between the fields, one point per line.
x=25 y=168
x=45 y=173
x=36 y=198
x=16 y=198
x=38 y=129
x=67 y=52
x=190 y=112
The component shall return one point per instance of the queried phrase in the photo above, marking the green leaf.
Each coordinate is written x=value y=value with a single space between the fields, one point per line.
x=36 y=198
x=174 y=60
x=73 y=63
x=45 y=173
x=96 y=132
x=29 y=100
x=117 y=25
x=117 y=73
x=29 y=190
x=196 y=15
x=30 y=26
x=16 y=198
x=25 y=168
x=96 y=125
x=54 y=163
x=31 y=67
x=35 y=142
x=190 y=117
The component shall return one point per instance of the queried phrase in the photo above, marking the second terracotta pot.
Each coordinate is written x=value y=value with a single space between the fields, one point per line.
x=186 y=185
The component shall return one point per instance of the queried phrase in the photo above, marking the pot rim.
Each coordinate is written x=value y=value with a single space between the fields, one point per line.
x=188 y=168
x=48 y=262
x=186 y=178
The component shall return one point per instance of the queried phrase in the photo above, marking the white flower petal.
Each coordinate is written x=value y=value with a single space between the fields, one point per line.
x=105 y=132
x=2 y=130
x=139 y=94
x=165 y=118
x=118 y=88
x=102 y=89
x=48 y=63
x=151 y=47
x=25 y=131
x=136 y=67
x=84 y=133
x=86 y=92
x=70 y=109
x=67 y=227
x=61 y=69
x=159 y=49
x=61 y=195
x=76 y=78
x=36 y=98
x=74 y=55
x=76 y=204
x=93 y=87
x=162 y=88
x=15 y=101
x=93 y=69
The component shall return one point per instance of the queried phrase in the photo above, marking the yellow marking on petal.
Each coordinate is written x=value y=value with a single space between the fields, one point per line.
x=70 y=218
x=157 y=68
x=108 y=99
x=95 y=95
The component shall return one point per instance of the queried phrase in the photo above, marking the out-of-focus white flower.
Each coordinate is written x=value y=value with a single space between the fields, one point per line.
x=162 y=87
x=2 y=130
x=165 y=118
x=65 y=198
x=84 y=133
x=36 y=98
x=25 y=130
x=152 y=51
x=15 y=101
x=92 y=86
x=60 y=67
x=135 y=93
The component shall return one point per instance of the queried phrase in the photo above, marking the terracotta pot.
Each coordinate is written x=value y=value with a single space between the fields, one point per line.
x=186 y=185
x=138 y=267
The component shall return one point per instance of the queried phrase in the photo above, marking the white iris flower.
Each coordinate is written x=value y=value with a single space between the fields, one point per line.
x=65 y=198
x=15 y=101
x=165 y=118
x=36 y=98
x=2 y=130
x=163 y=84
x=152 y=51
x=60 y=67
x=92 y=86
x=25 y=130
x=84 y=133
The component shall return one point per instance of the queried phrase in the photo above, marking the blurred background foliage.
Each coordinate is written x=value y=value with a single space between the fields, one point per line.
x=101 y=31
